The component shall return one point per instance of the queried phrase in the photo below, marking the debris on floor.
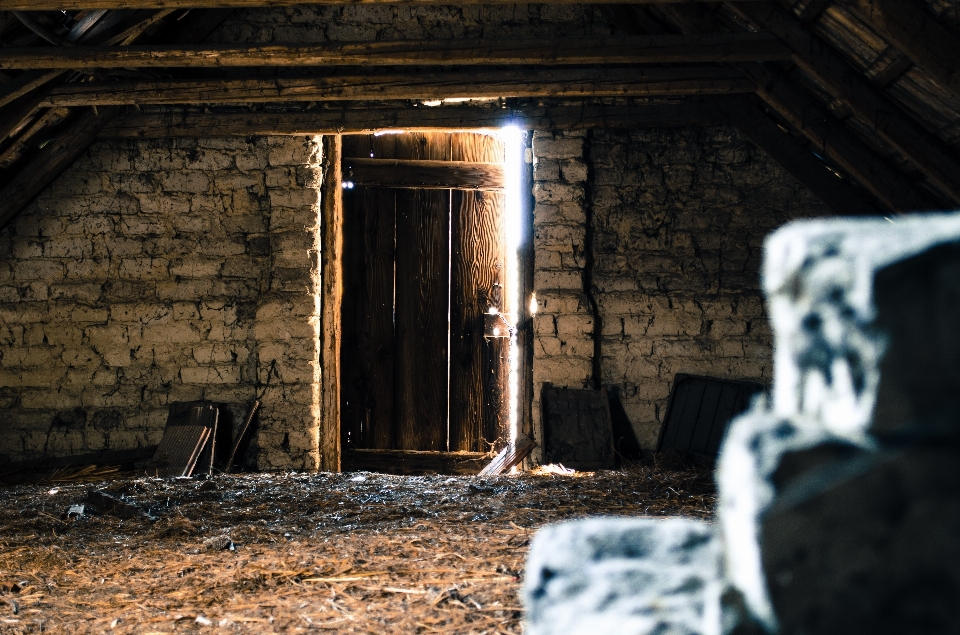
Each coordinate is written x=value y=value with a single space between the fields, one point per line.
x=344 y=553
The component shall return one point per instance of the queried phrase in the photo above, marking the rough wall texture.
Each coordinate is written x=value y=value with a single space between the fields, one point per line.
x=153 y=272
x=678 y=218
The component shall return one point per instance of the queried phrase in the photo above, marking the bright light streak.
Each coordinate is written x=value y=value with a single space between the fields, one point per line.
x=533 y=304
x=512 y=139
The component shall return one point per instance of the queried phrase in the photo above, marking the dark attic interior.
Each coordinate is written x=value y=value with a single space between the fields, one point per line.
x=314 y=313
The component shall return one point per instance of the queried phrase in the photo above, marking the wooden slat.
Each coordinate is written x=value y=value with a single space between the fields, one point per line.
x=686 y=423
x=412 y=463
x=906 y=25
x=579 y=82
x=794 y=158
x=331 y=276
x=513 y=454
x=814 y=56
x=657 y=49
x=25 y=83
x=138 y=125
x=431 y=175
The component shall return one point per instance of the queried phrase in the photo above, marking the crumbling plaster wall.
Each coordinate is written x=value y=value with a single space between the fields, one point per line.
x=160 y=271
x=676 y=220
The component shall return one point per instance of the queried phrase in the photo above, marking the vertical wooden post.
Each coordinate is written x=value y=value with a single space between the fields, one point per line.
x=331 y=271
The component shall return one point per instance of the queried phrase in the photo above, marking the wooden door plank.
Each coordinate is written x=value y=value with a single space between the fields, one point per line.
x=377 y=328
x=422 y=295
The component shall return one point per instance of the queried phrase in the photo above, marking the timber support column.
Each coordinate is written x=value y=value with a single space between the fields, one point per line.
x=287 y=328
x=331 y=270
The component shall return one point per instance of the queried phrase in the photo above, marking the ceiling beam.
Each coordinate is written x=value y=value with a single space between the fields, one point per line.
x=908 y=27
x=653 y=49
x=793 y=157
x=472 y=84
x=140 y=125
x=815 y=57
x=73 y=5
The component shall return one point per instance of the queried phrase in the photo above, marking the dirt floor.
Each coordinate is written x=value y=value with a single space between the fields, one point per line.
x=351 y=553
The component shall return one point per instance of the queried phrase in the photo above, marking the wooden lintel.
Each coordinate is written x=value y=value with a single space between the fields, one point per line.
x=72 y=5
x=140 y=125
x=422 y=174
x=815 y=57
x=654 y=49
x=470 y=84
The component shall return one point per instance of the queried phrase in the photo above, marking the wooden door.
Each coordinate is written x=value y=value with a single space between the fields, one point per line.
x=422 y=266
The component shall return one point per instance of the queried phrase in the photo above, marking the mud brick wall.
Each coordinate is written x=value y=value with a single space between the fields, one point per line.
x=153 y=272
x=677 y=219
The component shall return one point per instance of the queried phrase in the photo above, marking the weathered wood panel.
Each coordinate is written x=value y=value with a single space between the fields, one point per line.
x=331 y=276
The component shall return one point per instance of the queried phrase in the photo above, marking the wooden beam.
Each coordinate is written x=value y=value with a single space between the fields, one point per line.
x=423 y=174
x=654 y=49
x=41 y=171
x=817 y=58
x=793 y=157
x=139 y=125
x=331 y=280
x=836 y=142
x=907 y=26
x=73 y=5
x=591 y=82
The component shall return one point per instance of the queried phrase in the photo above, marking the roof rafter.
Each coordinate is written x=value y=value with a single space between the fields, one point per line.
x=577 y=82
x=819 y=60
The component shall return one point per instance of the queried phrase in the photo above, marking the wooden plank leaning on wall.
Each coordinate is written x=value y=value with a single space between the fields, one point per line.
x=331 y=284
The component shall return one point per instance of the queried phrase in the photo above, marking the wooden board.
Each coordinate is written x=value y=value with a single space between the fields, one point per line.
x=577 y=428
x=331 y=278
x=368 y=316
x=699 y=411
